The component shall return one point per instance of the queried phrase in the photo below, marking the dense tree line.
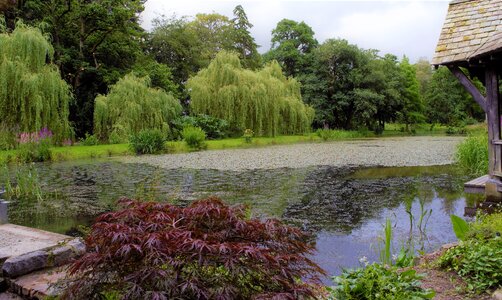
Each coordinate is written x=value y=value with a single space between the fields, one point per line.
x=96 y=43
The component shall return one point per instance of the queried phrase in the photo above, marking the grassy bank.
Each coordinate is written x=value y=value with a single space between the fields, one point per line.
x=472 y=154
x=100 y=151
x=85 y=152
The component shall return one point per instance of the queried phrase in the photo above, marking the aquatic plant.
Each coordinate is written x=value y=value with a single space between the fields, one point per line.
x=26 y=186
x=385 y=251
x=208 y=250
x=460 y=227
x=265 y=101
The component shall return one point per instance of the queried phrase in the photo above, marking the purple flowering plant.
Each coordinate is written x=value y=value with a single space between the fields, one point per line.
x=35 y=137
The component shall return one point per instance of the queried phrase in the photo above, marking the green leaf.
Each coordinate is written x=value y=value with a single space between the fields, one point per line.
x=460 y=227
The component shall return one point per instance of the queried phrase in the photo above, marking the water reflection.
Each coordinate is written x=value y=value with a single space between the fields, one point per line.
x=344 y=208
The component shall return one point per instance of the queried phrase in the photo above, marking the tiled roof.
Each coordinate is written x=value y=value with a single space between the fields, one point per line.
x=472 y=28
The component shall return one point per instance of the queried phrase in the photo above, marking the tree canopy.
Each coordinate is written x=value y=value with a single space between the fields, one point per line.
x=131 y=106
x=265 y=101
x=32 y=93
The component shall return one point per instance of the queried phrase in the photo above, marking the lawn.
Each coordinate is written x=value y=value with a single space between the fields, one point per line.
x=85 y=152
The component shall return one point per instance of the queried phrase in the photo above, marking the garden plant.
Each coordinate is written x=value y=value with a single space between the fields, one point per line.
x=208 y=250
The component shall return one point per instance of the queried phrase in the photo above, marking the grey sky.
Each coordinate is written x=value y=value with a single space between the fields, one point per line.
x=400 y=27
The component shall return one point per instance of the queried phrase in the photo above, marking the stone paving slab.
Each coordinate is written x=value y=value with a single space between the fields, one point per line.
x=39 y=284
x=16 y=240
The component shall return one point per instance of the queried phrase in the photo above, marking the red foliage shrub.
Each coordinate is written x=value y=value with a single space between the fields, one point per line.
x=205 y=251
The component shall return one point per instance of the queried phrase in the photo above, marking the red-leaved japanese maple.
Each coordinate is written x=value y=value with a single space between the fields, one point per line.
x=207 y=250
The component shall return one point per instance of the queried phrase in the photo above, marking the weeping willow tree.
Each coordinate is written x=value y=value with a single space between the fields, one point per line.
x=265 y=101
x=32 y=93
x=131 y=106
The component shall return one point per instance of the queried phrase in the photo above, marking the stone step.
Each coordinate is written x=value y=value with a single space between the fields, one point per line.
x=40 y=284
x=16 y=240
x=58 y=255
x=9 y=296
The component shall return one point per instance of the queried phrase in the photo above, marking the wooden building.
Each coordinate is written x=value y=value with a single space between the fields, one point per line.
x=470 y=45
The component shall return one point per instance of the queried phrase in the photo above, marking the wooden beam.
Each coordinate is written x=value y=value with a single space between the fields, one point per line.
x=469 y=86
x=493 y=116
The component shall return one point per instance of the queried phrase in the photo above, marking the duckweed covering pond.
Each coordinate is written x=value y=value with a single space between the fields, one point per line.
x=344 y=208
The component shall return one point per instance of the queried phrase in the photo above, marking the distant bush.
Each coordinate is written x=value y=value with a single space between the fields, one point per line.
x=194 y=137
x=333 y=134
x=248 y=135
x=472 y=154
x=207 y=250
x=214 y=128
x=453 y=130
x=379 y=282
x=148 y=141
x=89 y=140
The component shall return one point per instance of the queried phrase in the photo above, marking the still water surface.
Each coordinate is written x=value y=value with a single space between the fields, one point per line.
x=344 y=208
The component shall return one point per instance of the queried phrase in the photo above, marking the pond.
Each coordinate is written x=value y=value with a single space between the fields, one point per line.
x=344 y=208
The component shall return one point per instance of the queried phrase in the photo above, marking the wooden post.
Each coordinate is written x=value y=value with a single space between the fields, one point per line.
x=494 y=147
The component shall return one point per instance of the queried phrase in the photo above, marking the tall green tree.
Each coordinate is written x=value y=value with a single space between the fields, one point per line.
x=265 y=101
x=176 y=45
x=412 y=109
x=187 y=46
x=244 y=43
x=291 y=43
x=95 y=43
x=32 y=93
x=447 y=102
x=423 y=69
x=131 y=106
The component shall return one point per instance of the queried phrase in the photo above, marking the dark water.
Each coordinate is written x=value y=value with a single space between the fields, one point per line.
x=344 y=208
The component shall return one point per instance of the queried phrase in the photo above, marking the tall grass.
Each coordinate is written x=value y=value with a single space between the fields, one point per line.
x=26 y=185
x=472 y=154
x=385 y=250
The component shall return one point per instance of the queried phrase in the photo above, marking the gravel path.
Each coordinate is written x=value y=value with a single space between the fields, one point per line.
x=401 y=151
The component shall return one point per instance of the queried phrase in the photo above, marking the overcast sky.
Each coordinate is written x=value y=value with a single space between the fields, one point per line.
x=400 y=27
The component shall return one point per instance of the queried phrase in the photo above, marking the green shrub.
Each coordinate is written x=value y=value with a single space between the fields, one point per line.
x=333 y=134
x=116 y=138
x=89 y=140
x=248 y=135
x=148 y=141
x=214 y=128
x=472 y=154
x=453 y=130
x=378 y=282
x=194 y=137
x=486 y=227
x=34 y=151
x=478 y=262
